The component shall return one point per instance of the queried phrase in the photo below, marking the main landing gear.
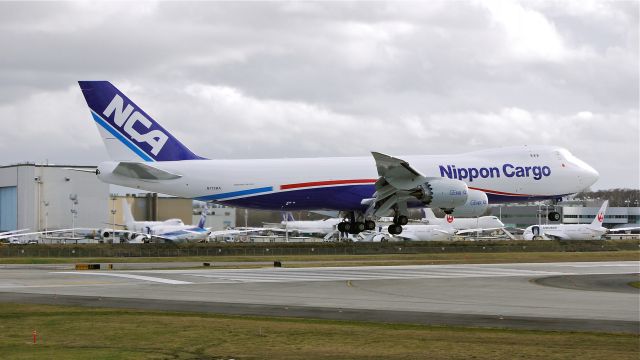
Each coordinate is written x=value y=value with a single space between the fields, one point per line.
x=355 y=225
x=396 y=227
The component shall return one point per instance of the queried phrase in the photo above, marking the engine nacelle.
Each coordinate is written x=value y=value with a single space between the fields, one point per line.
x=443 y=193
x=105 y=234
x=477 y=203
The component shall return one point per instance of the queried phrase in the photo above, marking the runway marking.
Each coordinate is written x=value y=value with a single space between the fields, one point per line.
x=129 y=276
x=603 y=265
x=322 y=274
x=305 y=275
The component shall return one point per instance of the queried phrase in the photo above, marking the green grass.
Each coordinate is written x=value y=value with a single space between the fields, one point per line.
x=90 y=333
x=635 y=284
x=354 y=260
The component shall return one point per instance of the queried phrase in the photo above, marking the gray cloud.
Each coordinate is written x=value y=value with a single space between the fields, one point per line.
x=241 y=80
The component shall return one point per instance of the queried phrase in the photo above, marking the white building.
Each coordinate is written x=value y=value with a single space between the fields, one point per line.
x=219 y=217
x=36 y=197
x=613 y=216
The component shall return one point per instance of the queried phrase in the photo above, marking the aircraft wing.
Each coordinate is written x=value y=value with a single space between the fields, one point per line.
x=242 y=231
x=13 y=235
x=557 y=234
x=624 y=229
x=397 y=179
x=467 y=231
x=442 y=231
x=410 y=237
x=12 y=232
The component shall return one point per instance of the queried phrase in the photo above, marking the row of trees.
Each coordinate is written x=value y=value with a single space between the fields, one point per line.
x=616 y=197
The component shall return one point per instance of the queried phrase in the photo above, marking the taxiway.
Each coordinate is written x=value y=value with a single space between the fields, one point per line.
x=532 y=296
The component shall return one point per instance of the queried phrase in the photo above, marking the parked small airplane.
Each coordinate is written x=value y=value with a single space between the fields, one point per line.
x=172 y=230
x=433 y=228
x=592 y=231
x=323 y=227
x=458 y=223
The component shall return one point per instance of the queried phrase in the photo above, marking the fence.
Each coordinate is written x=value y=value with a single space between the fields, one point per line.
x=251 y=250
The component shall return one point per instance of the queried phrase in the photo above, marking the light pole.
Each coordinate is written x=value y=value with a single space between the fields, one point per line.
x=286 y=220
x=46 y=218
x=113 y=217
x=74 y=213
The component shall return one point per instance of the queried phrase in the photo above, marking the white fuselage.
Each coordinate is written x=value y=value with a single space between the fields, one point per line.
x=482 y=222
x=155 y=227
x=172 y=229
x=505 y=174
x=564 y=232
x=427 y=232
x=312 y=226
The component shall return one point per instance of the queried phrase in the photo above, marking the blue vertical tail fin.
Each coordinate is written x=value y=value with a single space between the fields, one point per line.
x=203 y=217
x=128 y=132
x=287 y=216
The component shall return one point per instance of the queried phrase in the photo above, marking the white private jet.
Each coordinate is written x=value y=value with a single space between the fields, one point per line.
x=432 y=228
x=593 y=231
x=322 y=227
x=172 y=230
x=146 y=156
x=482 y=222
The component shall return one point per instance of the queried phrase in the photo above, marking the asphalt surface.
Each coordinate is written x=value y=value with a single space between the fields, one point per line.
x=605 y=282
x=491 y=295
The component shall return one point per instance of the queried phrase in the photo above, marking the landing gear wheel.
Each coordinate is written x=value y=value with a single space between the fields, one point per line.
x=394 y=229
x=344 y=226
x=357 y=228
x=401 y=220
x=369 y=225
x=554 y=216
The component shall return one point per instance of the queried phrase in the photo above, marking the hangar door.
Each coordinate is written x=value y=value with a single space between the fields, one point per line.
x=8 y=208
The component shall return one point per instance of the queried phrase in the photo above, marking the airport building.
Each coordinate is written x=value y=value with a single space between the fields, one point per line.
x=39 y=197
x=48 y=197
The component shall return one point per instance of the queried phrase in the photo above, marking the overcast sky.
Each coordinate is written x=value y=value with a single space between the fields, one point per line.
x=290 y=79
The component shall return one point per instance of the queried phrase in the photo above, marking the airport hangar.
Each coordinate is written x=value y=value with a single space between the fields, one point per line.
x=43 y=197
x=39 y=197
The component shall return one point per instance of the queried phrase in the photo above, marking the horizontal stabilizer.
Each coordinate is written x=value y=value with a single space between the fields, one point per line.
x=142 y=171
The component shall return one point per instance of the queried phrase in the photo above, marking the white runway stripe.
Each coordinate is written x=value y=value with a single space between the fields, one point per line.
x=289 y=275
x=298 y=276
x=128 y=276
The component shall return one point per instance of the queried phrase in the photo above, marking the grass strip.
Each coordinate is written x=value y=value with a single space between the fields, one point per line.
x=67 y=332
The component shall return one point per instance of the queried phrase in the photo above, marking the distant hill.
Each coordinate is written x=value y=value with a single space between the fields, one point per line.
x=616 y=197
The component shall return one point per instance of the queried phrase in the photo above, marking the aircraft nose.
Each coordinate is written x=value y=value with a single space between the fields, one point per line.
x=591 y=175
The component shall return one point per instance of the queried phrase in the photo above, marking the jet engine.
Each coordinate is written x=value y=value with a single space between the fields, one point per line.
x=446 y=194
x=477 y=203
x=105 y=233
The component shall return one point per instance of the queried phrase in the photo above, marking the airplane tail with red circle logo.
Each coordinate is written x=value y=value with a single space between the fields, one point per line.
x=599 y=219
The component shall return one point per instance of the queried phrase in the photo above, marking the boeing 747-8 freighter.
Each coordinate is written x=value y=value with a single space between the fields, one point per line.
x=146 y=156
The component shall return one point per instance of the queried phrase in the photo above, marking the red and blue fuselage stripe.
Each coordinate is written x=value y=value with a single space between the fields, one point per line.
x=344 y=194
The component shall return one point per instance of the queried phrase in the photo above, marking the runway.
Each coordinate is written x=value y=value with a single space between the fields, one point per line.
x=496 y=295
